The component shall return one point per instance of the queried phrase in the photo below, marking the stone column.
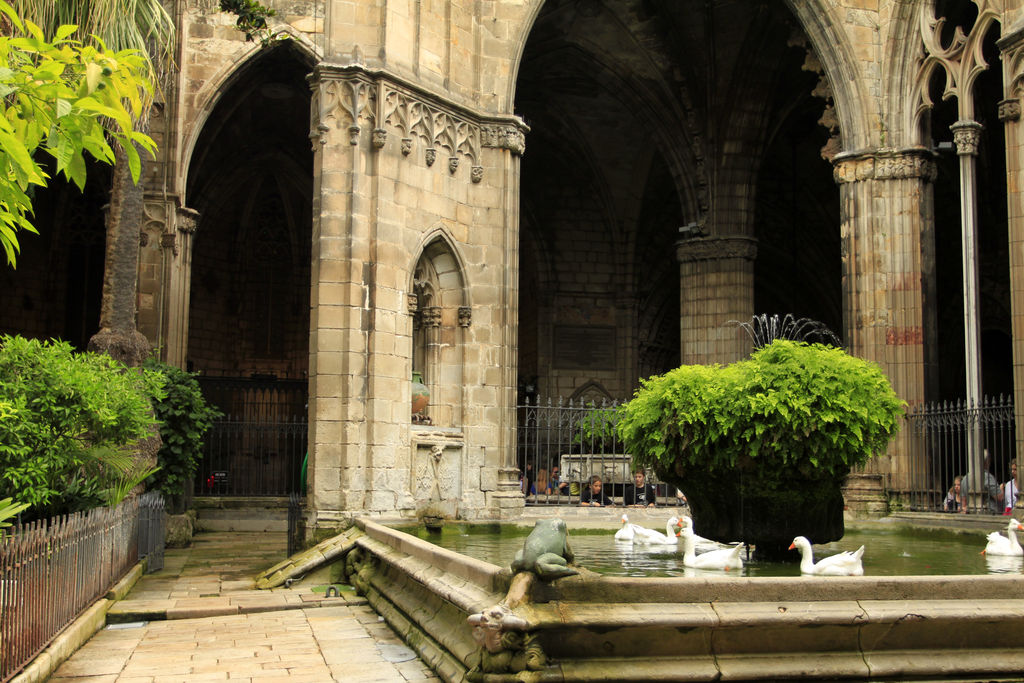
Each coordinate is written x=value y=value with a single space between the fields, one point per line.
x=966 y=135
x=1012 y=47
x=175 y=225
x=716 y=286
x=342 y=280
x=887 y=219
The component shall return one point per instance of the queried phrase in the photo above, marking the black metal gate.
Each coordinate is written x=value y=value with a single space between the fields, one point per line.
x=259 y=447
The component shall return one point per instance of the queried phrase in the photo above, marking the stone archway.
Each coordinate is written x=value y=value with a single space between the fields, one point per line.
x=250 y=183
x=649 y=118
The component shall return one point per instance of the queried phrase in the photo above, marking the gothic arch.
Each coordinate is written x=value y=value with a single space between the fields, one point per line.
x=220 y=84
x=439 y=305
x=840 y=64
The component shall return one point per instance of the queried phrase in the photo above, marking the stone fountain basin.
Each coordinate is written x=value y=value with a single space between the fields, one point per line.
x=593 y=627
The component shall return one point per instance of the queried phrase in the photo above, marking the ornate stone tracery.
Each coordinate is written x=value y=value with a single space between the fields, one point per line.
x=355 y=98
x=962 y=59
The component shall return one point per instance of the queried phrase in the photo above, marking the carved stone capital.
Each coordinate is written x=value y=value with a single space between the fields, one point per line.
x=1009 y=110
x=169 y=240
x=187 y=219
x=884 y=165
x=432 y=316
x=966 y=136
x=716 y=248
x=465 y=316
x=507 y=137
x=413 y=303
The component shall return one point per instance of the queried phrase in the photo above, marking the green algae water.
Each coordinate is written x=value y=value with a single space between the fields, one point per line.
x=897 y=551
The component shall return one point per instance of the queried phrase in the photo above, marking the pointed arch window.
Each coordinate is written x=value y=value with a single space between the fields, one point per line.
x=440 y=315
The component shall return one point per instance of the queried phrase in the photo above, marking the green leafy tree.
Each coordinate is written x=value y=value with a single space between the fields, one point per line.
x=145 y=27
x=761 y=447
x=184 y=417
x=66 y=99
x=67 y=423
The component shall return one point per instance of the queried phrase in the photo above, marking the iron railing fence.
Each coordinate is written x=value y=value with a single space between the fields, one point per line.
x=152 y=530
x=939 y=436
x=52 y=570
x=561 y=443
x=294 y=517
x=258 y=447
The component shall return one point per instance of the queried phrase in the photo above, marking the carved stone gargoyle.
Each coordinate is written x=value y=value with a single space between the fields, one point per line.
x=507 y=646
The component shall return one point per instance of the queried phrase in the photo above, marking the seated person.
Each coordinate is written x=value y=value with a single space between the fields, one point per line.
x=1009 y=489
x=639 y=493
x=593 y=495
x=526 y=481
x=991 y=495
x=954 y=499
x=556 y=484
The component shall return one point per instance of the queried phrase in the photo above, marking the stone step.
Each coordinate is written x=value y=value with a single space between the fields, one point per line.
x=241 y=514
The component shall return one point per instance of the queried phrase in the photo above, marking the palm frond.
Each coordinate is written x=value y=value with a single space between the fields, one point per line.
x=142 y=25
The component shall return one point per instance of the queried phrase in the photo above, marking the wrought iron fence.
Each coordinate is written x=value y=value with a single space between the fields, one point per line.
x=561 y=444
x=52 y=570
x=940 y=456
x=152 y=530
x=258 y=447
x=294 y=517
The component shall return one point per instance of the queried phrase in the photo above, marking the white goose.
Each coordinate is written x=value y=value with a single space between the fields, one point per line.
x=724 y=559
x=645 y=536
x=627 y=531
x=841 y=564
x=701 y=544
x=1005 y=545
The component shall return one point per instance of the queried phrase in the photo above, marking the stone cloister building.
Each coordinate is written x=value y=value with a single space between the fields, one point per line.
x=565 y=194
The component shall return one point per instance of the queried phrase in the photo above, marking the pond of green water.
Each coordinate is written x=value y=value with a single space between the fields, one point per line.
x=897 y=551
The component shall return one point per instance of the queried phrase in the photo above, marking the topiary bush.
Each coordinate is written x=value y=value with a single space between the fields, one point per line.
x=184 y=417
x=761 y=447
x=67 y=424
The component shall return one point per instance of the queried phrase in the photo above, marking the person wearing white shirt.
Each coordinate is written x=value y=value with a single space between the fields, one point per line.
x=1009 y=489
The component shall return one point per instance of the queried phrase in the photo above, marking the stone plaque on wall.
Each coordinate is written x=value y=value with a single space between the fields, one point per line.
x=583 y=347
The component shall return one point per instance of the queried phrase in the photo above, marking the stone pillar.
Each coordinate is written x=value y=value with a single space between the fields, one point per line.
x=1012 y=47
x=342 y=278
x=716 y=287
x=886 y=209
x=170 y=228
x=396 y=167
x=176 y=242
x=966 y=135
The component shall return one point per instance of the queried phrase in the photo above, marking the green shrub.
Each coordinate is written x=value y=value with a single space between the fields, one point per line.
x=761 y=447
x=790 y=406
x=184 y=416
x=67 y=421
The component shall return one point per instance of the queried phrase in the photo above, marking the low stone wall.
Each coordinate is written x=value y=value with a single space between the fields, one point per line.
x=590 y=628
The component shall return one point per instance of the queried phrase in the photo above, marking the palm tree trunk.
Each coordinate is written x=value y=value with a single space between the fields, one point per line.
x=118 y=336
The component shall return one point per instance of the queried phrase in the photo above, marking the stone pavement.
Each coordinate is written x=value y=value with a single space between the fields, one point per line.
x=201 y=619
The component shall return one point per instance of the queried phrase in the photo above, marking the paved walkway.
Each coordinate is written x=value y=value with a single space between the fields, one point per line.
x=201 y=619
